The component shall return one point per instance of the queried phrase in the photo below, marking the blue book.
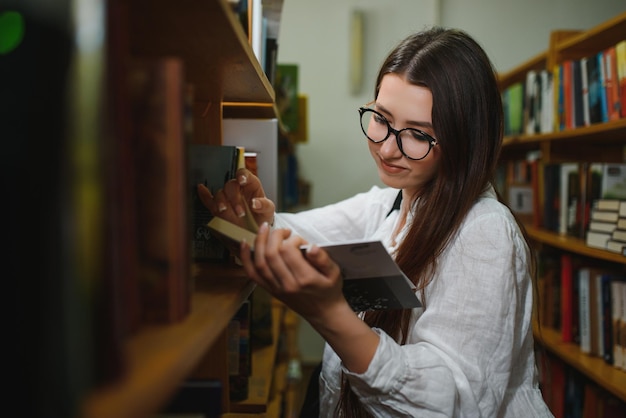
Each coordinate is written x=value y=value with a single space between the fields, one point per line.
x=604 y=110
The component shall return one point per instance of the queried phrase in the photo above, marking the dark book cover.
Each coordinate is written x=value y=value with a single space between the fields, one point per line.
x=211 y=165
x=240 y=349
x=577 y=94
x=371 y=278
x=594 y=87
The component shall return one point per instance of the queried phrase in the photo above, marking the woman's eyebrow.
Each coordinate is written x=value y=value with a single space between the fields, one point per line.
x=419 y=124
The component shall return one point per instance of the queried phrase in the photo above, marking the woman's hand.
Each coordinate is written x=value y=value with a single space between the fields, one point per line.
x=308 y=282
x=311 y=285
x=231 y=201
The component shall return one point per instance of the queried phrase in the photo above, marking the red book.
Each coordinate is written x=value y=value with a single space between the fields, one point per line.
x=567 y=298
x=568 y=100
x=611 y=83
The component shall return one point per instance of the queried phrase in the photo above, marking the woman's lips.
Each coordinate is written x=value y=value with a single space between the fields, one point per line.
x=390 y=168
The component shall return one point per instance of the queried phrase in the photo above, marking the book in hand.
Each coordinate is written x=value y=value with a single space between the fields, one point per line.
x=371 y=278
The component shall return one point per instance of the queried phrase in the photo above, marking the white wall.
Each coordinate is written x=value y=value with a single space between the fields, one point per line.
x=315 y=35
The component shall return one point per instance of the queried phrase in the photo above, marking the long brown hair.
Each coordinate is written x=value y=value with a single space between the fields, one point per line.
x=467 y=119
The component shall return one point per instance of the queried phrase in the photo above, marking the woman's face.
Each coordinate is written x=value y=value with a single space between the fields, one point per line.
x=405 y=106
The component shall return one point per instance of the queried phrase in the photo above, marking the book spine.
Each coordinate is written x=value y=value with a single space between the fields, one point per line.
x=158 y=96
x=567 y=299
x=583 y=308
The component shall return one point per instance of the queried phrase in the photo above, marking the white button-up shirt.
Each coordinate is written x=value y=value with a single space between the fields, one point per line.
x=470 y=352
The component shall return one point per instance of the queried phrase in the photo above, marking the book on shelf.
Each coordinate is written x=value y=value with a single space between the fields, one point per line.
x=611 y=83
x=159 y=99
x=599 y=56
x=599 y=226
x=371 y=278
x=607 y=317
x=597 y=239
x=595 y=89
x=569 y=321
x=621 y=328
x=568 y=97
x=547 y=100
x=559 y=117
x=532 y=104
x=240 y=353
x=619 y=235
x=578 y=117
x=569 y=199
x=620 y=57
x=585 y=91
x=213 y=166
x=604 y=215
x=608 y=204
x=616 y=246
x=613 y=184
x=258 y=136
x=584 y=309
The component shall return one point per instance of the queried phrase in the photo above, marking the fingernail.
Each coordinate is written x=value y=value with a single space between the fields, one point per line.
x=243 y=180
x=221 y=207
x=256 y=204
x=240 y=212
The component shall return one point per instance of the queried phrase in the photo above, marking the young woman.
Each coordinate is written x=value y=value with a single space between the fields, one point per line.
x=435 y=132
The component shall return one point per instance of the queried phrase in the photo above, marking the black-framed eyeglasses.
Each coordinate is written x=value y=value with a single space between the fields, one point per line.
x=413 y=143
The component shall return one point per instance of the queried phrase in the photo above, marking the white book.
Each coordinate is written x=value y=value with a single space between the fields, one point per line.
x=547 y=97
x=604 y=215
x=585 y=84
x=597 y=239
x=599 y=226
x=616 y=246
x=619 y=235
x=612 y=205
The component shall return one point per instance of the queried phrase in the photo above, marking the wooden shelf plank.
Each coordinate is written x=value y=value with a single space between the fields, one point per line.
x=207 y=35
x=159 y=357
x=610 y=378
x=571 y=244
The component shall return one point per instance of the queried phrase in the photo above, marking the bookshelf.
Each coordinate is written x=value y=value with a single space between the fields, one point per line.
x=600 y=142
x=228 y=81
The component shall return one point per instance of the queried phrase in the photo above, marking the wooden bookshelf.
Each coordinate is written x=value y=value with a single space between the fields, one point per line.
x=227 y=81
x=610 y=378
x=263 y=363
x=159 y=357
x=600 y=142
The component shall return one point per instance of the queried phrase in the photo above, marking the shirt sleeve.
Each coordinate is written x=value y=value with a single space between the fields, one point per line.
x=357 y=217
x=459 y=357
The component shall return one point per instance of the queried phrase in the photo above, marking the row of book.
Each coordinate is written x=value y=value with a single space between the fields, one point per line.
x=575 y=93
x=587 y=303
x=573 y=199
x=570 y=394
x=607 y=226
x=260 y=23
x=151 y=198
